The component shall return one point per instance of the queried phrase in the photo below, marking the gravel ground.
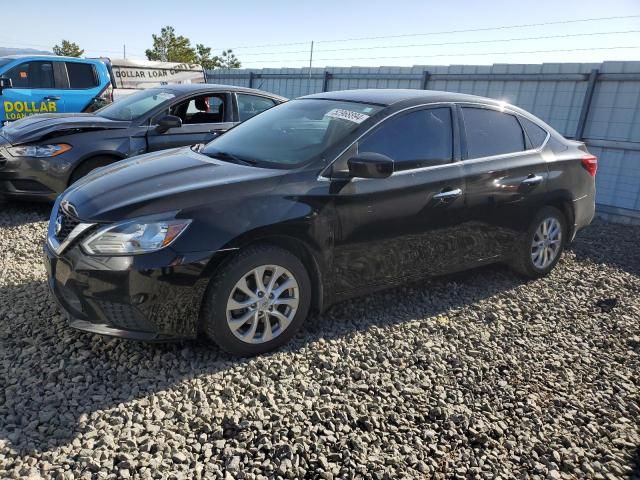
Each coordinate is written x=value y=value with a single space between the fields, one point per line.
x=477 y=375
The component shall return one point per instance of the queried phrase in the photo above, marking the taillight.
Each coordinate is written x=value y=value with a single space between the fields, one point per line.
x=590 y=164
x=105 y=98
x=107 y=94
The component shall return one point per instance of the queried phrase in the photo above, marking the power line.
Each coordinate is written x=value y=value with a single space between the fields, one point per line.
x=503 y=27
x=443 y=32
x=467 y=42
x=454 y=54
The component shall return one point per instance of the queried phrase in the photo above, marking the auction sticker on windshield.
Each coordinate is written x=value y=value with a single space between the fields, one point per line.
x=347 y=115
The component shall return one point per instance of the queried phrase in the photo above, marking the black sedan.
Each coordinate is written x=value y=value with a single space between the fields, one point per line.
x=314 y=201
x=41 y=155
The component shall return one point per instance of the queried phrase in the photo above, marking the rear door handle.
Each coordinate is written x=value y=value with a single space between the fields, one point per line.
x=532 y=180
x=448 y=195
x=52 y=98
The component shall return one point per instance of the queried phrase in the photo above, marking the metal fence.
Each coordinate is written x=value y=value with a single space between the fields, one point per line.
x=593 y=102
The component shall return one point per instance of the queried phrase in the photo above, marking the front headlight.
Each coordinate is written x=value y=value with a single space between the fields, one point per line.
x=39 y=151
x=134 y=237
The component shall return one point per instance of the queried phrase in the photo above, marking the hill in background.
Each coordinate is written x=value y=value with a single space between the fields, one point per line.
x=22 y=51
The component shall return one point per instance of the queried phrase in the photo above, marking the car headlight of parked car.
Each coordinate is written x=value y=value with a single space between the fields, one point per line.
x=39 y=151
x=134 y=237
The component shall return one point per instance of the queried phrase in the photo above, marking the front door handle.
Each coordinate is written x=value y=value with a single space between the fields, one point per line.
x=448 y=195
x=532 y=180
x=52 y=98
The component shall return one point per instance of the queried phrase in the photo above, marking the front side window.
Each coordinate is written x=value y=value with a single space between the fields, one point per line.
x=251 y=105
x=292 y=133
x=136 y=105
x=81 y=75
x=32 y=75
x=417 y=139
x=201 y=109
x=490 y=132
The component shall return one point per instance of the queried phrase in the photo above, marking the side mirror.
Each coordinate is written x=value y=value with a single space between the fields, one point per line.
x=5 y=82
x=168 y=122
x=370 y=165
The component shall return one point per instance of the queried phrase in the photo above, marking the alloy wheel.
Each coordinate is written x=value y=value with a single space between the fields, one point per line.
x=546 y=243
x=262 y=304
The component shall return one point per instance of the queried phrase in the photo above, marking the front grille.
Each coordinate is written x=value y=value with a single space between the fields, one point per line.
x=67 y=224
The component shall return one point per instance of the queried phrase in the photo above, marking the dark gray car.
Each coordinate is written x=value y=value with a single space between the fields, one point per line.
x=41 y=155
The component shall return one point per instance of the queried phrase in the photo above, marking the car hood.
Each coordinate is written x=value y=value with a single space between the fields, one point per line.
x=36 y=127
x=160 y=182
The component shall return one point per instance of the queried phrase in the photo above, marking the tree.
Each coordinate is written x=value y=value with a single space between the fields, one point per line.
x=167 y=47
x=68 y=49
x=203 y=57
x=228 y=59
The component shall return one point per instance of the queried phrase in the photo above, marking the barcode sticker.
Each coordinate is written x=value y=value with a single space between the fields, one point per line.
x=347 y=115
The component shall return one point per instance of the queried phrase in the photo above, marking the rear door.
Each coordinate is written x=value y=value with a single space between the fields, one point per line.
x=83 y=85
x=406 y=225
x=506 y=179
x=35 y=90
x=199 y=124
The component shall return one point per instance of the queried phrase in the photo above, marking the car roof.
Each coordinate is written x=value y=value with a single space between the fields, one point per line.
x=182 y=88
x=49 y=57
x=389 y=96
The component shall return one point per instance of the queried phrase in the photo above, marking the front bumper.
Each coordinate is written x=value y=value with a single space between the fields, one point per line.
x=152 y=297
x=35 y=179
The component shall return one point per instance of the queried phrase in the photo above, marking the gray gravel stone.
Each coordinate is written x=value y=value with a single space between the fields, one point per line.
x=475 y=375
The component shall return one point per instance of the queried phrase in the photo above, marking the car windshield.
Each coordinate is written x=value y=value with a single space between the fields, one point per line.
x=135 y=105
x=291 y=134
x=4 y=61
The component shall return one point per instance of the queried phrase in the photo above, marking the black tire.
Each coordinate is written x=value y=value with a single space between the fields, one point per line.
x=522 y=262
x=88 y=166
x=214 y=313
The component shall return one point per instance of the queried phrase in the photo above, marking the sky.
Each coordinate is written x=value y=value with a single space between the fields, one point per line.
x=279 y=33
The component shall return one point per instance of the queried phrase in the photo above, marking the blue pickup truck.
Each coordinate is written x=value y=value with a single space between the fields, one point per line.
x=32 y=84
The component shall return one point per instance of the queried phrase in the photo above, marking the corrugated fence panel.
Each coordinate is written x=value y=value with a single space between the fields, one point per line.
x=555 y=92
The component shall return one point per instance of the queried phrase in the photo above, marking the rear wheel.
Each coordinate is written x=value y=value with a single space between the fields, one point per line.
x=542 y=246
x=258 y=301
x=88 y=166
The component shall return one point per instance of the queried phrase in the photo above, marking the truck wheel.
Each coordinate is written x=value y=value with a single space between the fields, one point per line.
x=540 y=249
x=257 y=301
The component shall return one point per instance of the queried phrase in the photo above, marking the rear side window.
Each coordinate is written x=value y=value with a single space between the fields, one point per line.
x=490 y=132
x=32 y=75
x=251 y=105
x=417 y=139
x=537 y=135
x=81 y=75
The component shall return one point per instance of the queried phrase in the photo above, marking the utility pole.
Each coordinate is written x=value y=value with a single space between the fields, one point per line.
x=124 y=52
x=310 y=63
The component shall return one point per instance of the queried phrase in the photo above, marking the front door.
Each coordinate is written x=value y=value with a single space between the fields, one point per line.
x=203 y=118
x=405 y=225
x=34 y=91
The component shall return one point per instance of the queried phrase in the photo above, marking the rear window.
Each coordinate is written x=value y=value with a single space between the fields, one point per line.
x=81 y=75
x=490 y=132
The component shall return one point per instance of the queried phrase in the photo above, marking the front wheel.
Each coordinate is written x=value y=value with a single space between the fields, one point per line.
x=542 y=246
x=257 y=301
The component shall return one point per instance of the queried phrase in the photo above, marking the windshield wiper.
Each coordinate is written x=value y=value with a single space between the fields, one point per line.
x=231 y=157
